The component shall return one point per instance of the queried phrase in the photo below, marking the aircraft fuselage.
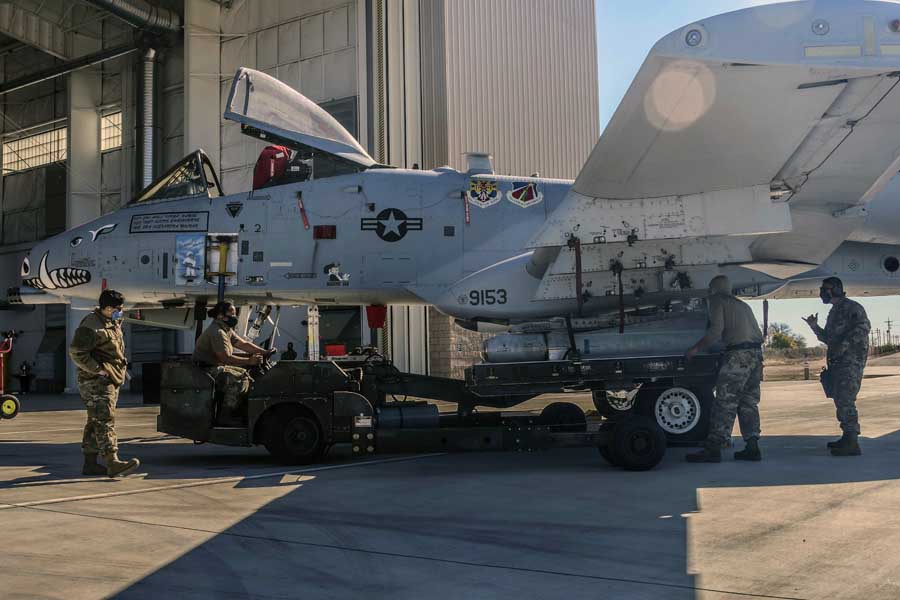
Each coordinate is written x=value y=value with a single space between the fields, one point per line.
x=381 y=236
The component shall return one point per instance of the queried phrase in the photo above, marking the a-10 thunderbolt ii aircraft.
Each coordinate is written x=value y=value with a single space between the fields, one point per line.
x=755 y=144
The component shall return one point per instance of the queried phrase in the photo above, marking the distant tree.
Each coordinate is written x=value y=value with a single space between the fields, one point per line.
x=782 y=337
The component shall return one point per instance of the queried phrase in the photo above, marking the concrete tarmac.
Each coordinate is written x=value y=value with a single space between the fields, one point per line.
x=201 y=521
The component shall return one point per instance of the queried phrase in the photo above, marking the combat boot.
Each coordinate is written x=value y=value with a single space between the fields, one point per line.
x=750 y=451
x=839 y=443
x=849 y=448
x=120 y=468
x=709 y=454
x=91 y=466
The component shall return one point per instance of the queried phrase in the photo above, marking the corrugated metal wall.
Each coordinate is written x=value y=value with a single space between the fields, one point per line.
x=434 y=84
x=522 y=83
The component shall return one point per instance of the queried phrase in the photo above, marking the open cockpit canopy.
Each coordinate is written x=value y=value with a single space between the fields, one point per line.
x=271 y=110
x=193 y=175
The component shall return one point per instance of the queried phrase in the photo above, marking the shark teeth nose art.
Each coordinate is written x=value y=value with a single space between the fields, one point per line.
x=66 y=277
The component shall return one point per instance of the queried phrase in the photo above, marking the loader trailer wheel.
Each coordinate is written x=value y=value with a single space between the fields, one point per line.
x=293 y=436
x=638 y=444
x=608 y=454
x=681 y=412
x=564 y=416
x=9 y=407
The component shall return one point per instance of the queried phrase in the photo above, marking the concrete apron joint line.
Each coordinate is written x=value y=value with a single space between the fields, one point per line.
x=40 y=504
x=216 y=481
x=432 y=559
x=72 y=429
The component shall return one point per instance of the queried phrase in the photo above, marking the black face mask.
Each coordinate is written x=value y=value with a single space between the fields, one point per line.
x=825 y=295
x=230 y=321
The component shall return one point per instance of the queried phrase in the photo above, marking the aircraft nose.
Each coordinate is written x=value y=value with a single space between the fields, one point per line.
x=25 y=269
x=46 y=268
x=30 y=269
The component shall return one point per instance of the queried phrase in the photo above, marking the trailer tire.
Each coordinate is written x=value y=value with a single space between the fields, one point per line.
x=638 y=443
x=9 y=406
x=564 y=416
x=609 y=455
x=672 y=409
x=293 y=436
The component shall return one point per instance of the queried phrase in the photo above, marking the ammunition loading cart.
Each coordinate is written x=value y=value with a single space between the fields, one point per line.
x=299 y=409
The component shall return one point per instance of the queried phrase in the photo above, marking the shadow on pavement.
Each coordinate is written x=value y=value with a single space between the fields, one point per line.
x=32 y=403
x=482 y=525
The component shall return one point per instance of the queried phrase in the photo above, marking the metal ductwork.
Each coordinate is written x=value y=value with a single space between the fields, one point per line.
x=146 y=16
x=142 y=14
x=148 y=68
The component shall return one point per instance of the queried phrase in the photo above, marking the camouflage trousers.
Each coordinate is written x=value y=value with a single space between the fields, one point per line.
x=737 y=394
x=100 y=397
x=846 y=379
x=233 y=383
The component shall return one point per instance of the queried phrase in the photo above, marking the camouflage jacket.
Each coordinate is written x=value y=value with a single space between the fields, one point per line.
x=846 y=333
x=98 y=346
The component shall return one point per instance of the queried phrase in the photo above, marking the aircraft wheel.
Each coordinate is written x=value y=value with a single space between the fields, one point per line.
x=638 y=443
x=682 y=413
x=564 y=416
x=609 y=455
x=294 y=436
x=9 y=407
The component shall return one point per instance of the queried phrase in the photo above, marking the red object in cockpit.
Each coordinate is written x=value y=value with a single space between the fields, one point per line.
x=270 y=166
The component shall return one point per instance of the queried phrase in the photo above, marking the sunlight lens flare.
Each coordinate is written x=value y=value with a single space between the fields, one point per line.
x=680 y=95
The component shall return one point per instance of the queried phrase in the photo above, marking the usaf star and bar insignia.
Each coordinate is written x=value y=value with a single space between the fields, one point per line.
x=391 y=224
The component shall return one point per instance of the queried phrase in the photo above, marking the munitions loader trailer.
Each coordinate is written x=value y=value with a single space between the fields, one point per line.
x=300 y=409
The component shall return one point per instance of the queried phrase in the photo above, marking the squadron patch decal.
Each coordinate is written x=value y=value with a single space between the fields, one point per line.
x=525 y=194
x=391 y=224
x=483 y=192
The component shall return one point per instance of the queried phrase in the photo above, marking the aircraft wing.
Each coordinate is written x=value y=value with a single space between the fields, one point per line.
x=266 y=104
x=794 y=103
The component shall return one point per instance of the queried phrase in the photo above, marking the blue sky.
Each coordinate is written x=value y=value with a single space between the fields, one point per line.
x=626 y=30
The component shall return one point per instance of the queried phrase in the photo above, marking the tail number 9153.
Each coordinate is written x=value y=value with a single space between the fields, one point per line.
x=479 y=297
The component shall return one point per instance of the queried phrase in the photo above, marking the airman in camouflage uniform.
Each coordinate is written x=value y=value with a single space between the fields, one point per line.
x=214 y=351
x=846 y=333
x=737 y=385
x=98 y=351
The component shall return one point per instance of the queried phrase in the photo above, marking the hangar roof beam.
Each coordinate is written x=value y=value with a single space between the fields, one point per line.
x=65 y=68
x=32 y=29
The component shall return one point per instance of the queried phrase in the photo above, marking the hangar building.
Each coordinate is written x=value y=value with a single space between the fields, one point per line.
x=101 y=96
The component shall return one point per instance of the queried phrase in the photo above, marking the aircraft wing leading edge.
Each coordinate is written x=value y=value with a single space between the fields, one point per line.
x=801 y=98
